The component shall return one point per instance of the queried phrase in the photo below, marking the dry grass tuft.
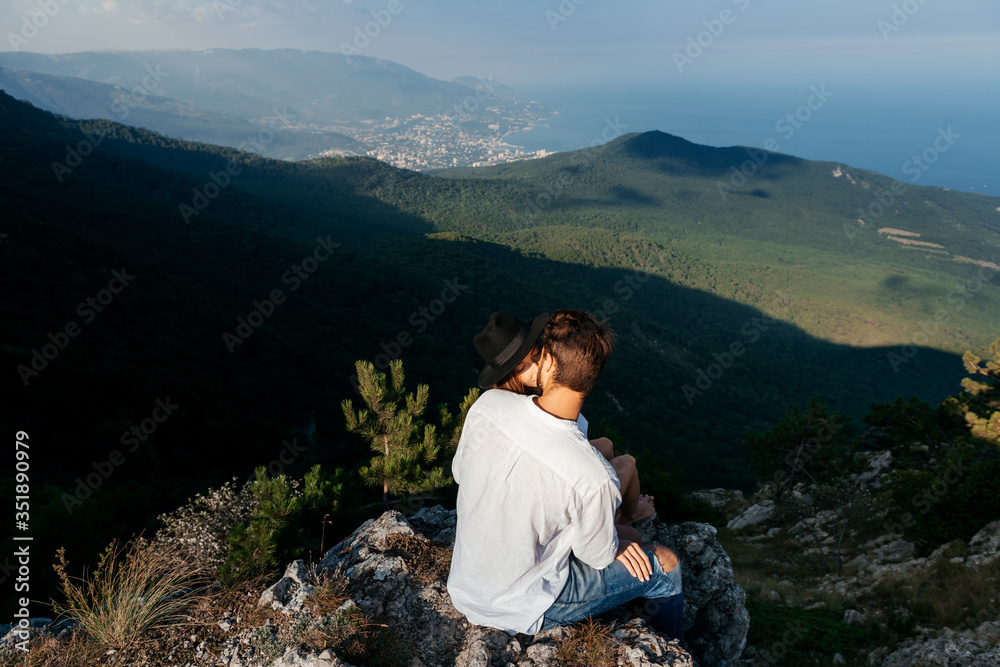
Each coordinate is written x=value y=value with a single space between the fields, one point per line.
x=330 y=593
x=428 y=560
x=48 y=651
x=358 y=639
x=588 y=645
x=134 y=589
x=241 y=597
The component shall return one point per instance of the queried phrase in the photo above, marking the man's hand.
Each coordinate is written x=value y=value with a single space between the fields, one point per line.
x=635 y=559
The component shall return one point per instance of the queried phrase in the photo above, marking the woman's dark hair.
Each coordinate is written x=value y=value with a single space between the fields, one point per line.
x=510 y=382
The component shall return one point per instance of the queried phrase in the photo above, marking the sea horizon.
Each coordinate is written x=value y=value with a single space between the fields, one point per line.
x=857 y=127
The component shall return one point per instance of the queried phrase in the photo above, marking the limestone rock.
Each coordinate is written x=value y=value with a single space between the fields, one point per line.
x=394 y=572
x=435 y=523
x=642 y=647
x=971 y=648
x=289 y=592
x=716 y=620
x=293 y=658
x=879 y=464
x=720 y=498
x=753 y=515
x=397 y=571
x=854 y=617
x=984 y=547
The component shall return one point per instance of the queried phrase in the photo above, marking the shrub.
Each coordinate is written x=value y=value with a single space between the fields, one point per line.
x=405 y=445
x=201 y=528
x=807 y=445
x=952 y=500
x=286 y=523
x=980 y=404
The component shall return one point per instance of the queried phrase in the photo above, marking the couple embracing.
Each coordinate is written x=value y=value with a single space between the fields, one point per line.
x=536 y=541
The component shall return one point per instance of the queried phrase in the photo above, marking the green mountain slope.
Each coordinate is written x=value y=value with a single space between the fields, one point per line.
x=199 y=322
x=792 y=254
x=138 y=106
x=864 y=259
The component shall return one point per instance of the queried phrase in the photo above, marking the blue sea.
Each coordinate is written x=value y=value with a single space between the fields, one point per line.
x=881 y=128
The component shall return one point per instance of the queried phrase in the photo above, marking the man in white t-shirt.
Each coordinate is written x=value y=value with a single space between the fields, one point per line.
x=535 y=543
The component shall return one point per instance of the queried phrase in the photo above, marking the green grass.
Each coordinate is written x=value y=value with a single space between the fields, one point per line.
x=792 y=636
x=947 y=595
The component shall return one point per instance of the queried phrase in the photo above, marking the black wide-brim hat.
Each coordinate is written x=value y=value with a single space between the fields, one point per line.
x=504 y=342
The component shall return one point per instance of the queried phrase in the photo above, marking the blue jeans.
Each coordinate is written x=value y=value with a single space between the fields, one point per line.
x=589 y=591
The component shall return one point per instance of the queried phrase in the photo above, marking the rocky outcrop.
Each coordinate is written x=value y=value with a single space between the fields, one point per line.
x=720 y=498
x=835 y=528
x=984 y=547
x=888 y=558
x=972 y=648
x=397 y=571
x=396 y=574
x=385 y=585
x=716 y=620
x=755 y=514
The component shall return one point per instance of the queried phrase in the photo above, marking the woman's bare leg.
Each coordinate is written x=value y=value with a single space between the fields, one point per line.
x=604 y=446
x=634 y=505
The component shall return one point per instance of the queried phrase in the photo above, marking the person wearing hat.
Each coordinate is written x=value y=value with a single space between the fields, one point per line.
x=535 y=540
x=511 y=349
x=508 y=346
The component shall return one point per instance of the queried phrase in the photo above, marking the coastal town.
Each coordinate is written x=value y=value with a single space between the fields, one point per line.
x=471 y=134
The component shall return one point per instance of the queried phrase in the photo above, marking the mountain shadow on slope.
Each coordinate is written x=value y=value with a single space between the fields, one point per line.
x=238 y=404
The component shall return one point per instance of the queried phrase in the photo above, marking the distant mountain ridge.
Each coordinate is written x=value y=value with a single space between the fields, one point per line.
x=326 y=104
x=140 y=106
x=316 y=86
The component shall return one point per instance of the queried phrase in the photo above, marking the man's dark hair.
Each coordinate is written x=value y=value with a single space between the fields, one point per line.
x=581 y=346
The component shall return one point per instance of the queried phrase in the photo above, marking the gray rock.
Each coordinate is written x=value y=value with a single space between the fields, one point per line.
x=541 y=654
x=642 y=647
x=277 y=595
x=753 y=515
x=854 y=617
x=293 y=658
x=481 y=646
x=971 y=648
x=719 y=498
x=716 y=620
x=385 y=581
x=984 y=547
x=291 y=591
x=878 y=466
x=435 y=523
x=382 y=585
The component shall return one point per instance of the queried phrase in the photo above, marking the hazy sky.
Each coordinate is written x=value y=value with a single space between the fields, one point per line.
x=530 y=42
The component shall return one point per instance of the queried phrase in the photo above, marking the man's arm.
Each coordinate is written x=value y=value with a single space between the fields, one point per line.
x=596 y=541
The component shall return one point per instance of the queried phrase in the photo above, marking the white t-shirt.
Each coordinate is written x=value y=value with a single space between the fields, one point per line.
x=531 y=490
